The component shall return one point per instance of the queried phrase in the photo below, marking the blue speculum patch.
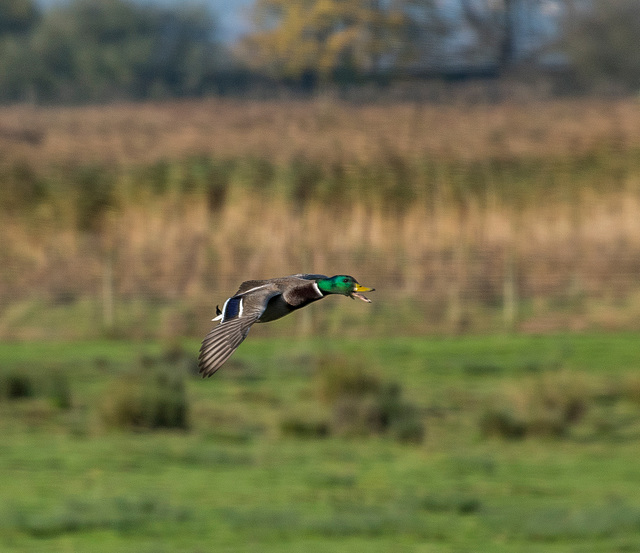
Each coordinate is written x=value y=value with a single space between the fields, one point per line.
x=232 y=309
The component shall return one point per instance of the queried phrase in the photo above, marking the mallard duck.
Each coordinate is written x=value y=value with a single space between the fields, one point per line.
x=261 y=301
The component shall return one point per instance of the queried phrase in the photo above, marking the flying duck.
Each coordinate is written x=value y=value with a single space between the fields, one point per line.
x=261 y=301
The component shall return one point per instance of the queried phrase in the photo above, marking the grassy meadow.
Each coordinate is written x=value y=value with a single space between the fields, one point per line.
x=266 y=457
x=487 y=400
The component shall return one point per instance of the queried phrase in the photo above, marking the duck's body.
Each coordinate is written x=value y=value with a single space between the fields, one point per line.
x=261 y=301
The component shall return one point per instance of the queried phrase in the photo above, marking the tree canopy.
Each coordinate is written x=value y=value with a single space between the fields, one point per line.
x=87 y=50
x=18 y=16
x=602 y=41
x=102 y=49
x=326 y=37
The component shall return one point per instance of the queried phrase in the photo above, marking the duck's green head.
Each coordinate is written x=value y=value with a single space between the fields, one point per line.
x=345 y=285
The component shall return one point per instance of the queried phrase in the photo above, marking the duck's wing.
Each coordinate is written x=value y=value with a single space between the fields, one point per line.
x=219 y=344
x=249 y=285
x=238 y=314
x=307 y=276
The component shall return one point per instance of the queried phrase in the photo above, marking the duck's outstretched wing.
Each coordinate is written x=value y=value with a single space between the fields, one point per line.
x=220 y=343
x=238 y=314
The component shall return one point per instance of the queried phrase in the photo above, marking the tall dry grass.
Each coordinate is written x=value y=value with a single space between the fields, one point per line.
x=323 y=129
x=465 y=217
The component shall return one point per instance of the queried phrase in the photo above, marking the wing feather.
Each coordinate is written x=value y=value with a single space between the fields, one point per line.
x=251 y=285
x=220 y=343
x=225 y=338
x=307 y=276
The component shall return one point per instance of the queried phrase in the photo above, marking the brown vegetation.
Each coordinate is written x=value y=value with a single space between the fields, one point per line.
x=323 y=129
x=465 y=217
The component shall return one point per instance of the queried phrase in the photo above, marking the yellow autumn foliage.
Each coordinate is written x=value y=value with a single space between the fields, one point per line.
x=323 y=36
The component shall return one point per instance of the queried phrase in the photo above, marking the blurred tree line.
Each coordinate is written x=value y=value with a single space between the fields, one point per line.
x=105 y=49
x=108 y=49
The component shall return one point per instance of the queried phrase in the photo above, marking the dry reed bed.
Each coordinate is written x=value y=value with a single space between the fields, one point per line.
x=323 y=129
x=528 y=211
x=566 y=271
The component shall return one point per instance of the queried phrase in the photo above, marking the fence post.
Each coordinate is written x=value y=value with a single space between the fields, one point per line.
x=107 y=292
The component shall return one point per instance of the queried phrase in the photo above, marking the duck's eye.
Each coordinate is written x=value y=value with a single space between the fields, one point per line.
x=345 y=280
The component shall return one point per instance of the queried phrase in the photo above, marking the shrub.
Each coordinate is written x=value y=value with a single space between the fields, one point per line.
x=147 y=400
x=363 y=405
x=407 y=426
x=21 y=383
x=358 y=416
x=500 y=422
x=301 y=427
x=546 y=405
x=338 y=377
x=16 y=384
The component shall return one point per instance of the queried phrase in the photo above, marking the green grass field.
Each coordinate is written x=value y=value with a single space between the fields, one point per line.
x=530 y=443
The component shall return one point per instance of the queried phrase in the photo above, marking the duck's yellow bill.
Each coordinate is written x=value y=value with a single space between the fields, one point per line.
x=359 y=288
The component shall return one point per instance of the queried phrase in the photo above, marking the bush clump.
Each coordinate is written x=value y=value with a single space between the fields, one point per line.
x=147 y=400
x=363 y=405
x=547 y=405
x=301 y=427
x=18 y=383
